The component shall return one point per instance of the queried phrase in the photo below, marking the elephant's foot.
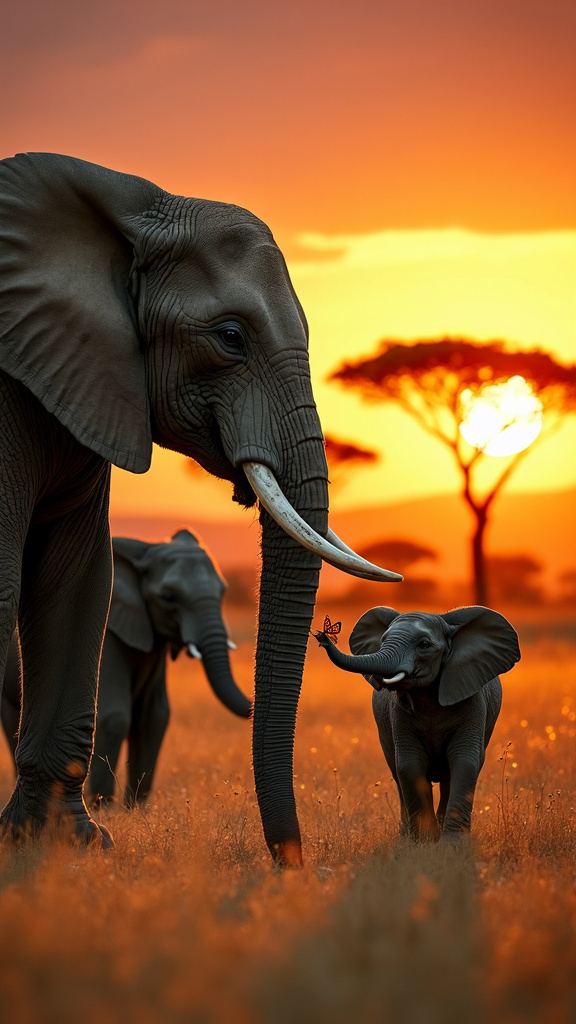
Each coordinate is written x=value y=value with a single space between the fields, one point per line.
x=43 y=808
x=287 y=854
x=456 y=837
x=135 y=799
x=419 y=832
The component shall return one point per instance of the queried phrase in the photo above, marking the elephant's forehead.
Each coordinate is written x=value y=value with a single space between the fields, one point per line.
x=222 y=259
x=418 y=624
x=229 y=232
x=225 y=238
x=181 y=565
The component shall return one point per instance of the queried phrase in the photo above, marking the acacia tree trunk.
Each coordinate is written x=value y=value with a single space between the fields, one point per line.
x=480 y=512
x=478 y=557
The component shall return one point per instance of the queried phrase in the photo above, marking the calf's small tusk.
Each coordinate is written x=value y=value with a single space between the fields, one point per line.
x=232 y=646
x=267 y=490
x=395 y=679
x=194 y=652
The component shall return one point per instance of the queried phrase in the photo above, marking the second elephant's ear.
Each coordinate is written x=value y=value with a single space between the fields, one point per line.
x=129 y=619
x=484 y=644
x=68 y=327
x=366 y=637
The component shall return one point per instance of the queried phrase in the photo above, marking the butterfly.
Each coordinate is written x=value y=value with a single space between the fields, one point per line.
x=331 y=629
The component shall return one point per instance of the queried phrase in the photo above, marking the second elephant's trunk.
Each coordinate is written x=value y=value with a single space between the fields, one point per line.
x=216 y=662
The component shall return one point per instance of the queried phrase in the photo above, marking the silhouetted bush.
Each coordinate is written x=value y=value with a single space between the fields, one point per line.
x=511 y=578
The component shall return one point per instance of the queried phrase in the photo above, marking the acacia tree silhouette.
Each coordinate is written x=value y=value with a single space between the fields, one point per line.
x=344 y=456
x=427 y=378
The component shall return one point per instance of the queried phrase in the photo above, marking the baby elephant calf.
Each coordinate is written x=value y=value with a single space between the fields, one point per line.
x=437 y=697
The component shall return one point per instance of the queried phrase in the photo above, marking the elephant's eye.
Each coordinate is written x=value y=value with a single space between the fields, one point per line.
x=168 y=596
x=424 y=645
x=232 y=338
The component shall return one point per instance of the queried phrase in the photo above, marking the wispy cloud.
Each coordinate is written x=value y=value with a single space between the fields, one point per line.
x=390 y=247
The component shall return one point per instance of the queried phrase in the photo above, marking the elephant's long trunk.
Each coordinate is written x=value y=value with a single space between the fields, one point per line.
x=288 y=587
x=216 y=662
x=381 y=663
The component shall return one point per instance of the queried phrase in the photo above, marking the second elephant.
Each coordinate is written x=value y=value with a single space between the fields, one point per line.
x=165 y=597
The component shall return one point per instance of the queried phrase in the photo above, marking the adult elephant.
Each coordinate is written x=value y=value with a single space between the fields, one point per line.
x=131 y=315
x=165 y=597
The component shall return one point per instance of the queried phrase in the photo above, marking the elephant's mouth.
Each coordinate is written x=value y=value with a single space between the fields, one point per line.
x=213 y=460
x=242 y=493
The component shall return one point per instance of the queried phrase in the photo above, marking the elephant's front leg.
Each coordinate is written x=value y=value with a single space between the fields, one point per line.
x=419 y=819
x=463 y=778
x=150 y=717
x=66 y=578
x=113 y=717
x=443 y=802
x=465 y=755
x=404 y=816
x=11 y=695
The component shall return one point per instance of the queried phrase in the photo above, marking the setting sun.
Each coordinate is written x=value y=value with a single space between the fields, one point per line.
x=501 y=419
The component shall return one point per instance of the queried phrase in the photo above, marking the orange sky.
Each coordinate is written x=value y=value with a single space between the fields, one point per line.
x=361 y=132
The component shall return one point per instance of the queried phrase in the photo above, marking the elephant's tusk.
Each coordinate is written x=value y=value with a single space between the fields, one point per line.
x=231 y=645
x=266 y=488
x=395 y=679
x=334 y=539
x=194 y=652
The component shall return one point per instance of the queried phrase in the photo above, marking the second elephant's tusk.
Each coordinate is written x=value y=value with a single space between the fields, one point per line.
x=231 y=645
x=267 y=490
x=194 y=652
x=395 y=679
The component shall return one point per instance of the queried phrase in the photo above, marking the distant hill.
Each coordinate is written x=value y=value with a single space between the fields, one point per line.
x=542 y=525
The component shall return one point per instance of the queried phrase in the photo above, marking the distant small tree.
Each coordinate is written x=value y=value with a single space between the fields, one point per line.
x=397 y=552
x=343 y=456
x=567 y=581
x=402 y=554
x=427 y=379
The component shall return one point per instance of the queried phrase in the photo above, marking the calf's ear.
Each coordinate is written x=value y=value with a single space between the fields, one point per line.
x=484 y=644
x=366 y=636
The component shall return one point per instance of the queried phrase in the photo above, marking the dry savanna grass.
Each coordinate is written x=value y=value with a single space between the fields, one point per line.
x=187 y=921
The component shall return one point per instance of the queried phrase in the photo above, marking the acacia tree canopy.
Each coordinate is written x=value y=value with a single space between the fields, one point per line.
x=427 y=377
x=344 y=456
x=340 y=452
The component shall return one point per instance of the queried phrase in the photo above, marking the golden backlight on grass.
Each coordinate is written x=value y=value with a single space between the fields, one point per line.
x=501 y=419
x=187 y=920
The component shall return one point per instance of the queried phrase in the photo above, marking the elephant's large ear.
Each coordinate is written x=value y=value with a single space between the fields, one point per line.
x=67 y=320
x=484 y=644
x=129 y=617
x=366 y=637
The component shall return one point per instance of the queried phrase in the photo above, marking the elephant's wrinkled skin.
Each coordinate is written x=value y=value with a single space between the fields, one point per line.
x=437 y=698
x=165 y=597
x=129 y=315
